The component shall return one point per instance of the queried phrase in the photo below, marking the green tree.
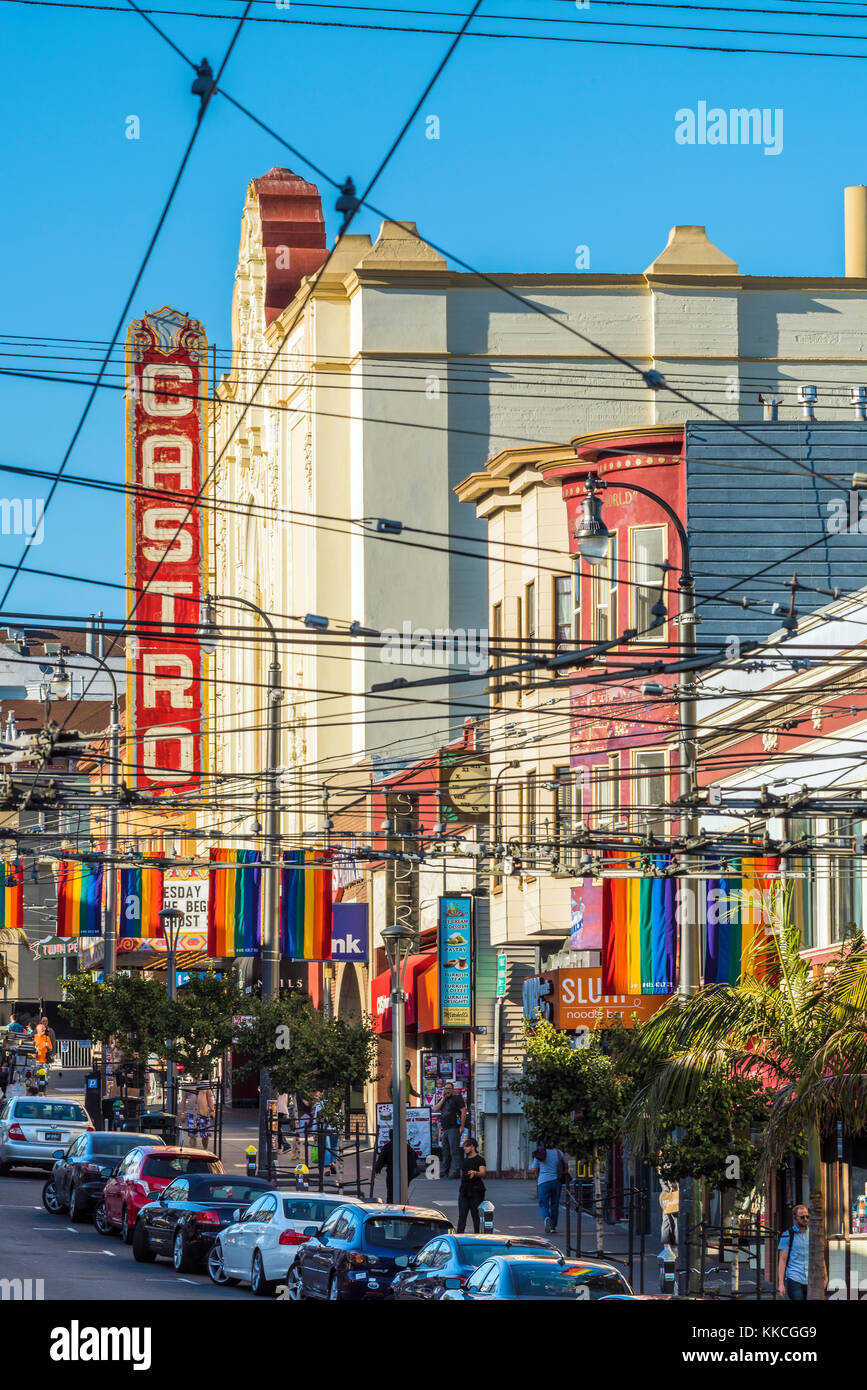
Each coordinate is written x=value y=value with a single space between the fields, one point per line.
x=200 y=1022
x=574 y=1098
x=128 y=1010
x=783 y=1027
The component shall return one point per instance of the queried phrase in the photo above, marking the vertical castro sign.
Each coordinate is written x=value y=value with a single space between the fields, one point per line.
x=455 y=962
x=167 y=385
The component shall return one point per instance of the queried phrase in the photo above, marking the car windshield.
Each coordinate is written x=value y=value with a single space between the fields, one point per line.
x=115 y=1144
x=570 y=1281
x=50 y=1110
x=306 y=1209
x=474 y=1252
x=402 y=1232
x=225 y=1190
x=173 y=1167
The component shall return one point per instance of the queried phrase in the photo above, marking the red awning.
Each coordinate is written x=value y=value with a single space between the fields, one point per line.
x=380 y=994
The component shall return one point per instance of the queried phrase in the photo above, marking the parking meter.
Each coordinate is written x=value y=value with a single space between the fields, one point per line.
x=301 y=1175
x=251 y=1154
x=486 y=1211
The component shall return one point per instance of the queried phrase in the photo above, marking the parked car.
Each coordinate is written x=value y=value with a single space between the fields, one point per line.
x=183 y=1224
x=32 y=1128
x=260 y=1248
x=142 y=1175
x=458 y=1257
x=358 y=1251
x=80 y=1174
x=519 y=1277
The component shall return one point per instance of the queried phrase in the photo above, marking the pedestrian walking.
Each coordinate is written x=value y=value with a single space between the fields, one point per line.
x=282 y=1121
x=552 y=1171
x=794 y=1253
x=472 y=1189
x=386 y=1161
x=197 y=1110
x=410 y=1089
x=52 y=1035
x=41 y=1044
x=452 y=1111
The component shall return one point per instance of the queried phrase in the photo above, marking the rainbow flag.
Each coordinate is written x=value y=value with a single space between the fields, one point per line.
x=639 y=935
x=79 y=899
x=12 y=898
x=305 y=905
x=234 y=903
x=739 y=907
x=141 y=898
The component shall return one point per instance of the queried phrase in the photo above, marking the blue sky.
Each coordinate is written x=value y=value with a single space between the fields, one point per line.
x=542 y=147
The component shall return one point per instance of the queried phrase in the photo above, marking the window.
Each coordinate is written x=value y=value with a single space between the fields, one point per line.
x=478 y=1279
x=330 y=1226
x=563 y=812
x=606 y=790
x=406 y=1233
x=266 y=1209
x=531 y=808
x=647 y=544
x=567 y=613
x=496 y=636
x=177 y=1191
x=649 y=789
x=497 y=827
x=803 y=887
x=78 y=1147
x=604 y=596
x=844 y=899
x=50 y=1110
x=529 y=626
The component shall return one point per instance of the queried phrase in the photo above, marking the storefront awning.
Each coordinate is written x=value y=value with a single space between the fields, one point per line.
x=417 y=993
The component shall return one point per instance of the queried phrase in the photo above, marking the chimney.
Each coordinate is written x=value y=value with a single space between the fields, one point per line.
x=855 y=216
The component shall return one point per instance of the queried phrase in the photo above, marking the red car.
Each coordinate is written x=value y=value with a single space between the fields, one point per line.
x=140 y=1178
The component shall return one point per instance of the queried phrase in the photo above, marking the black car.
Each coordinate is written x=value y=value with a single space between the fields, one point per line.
x=456 y=1257
x=358 y=1251
x=189 y=1214
x=80 y=1174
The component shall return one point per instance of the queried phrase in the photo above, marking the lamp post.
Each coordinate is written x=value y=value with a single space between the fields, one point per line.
x=398 y=941
x=592 y=536
x=209 y=636
x=172 y=920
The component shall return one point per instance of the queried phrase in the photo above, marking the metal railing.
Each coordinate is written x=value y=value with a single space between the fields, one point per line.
x=317 y=1157
x=73 y=1052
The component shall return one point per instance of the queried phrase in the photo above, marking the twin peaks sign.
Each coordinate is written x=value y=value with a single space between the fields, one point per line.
x=167 y=387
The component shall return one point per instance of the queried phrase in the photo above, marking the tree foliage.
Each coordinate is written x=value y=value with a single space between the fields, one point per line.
x=126 y=1010
x=199 y=1022
x=574 y=1097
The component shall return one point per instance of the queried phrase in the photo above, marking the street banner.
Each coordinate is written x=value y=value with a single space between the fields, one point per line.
x=349 y=932
x=12 y=897
x=187 y=888
x=79 y=899
x=455 y=962
x=167 y=386
x=235 y=903
x=141 y=900
x=418 y=1127
x=305 y=905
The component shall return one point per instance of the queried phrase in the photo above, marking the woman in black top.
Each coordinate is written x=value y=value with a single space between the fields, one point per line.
x=472 y=1189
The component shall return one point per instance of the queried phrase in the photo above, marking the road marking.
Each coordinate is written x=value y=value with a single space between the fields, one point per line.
x=73 y=1229
x=84 y=1252
x=111 y=1253
x=182 y=1280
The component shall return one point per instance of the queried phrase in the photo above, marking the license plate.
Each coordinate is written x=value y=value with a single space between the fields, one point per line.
x=52 y=1134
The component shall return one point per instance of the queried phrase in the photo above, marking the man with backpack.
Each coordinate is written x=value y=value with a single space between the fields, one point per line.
x=552 y=1172
x=794 y=1252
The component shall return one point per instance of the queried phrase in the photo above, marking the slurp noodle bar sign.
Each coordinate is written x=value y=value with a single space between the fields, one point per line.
x=455 y=956
x=578 y=1002
x=167 y=384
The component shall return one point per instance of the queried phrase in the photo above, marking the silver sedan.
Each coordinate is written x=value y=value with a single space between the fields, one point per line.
x=32 y=1128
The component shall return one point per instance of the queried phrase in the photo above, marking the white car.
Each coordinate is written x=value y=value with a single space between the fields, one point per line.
x=33 y=1127
x=260 y=1248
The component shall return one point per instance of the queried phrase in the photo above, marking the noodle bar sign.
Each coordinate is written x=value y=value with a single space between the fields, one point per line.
x=167 y=383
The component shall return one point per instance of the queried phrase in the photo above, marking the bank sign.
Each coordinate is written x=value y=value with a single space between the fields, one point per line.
x=167 y=384
x=349 y=936
x=455 y=962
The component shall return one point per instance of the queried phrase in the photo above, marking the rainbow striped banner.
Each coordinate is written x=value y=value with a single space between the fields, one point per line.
x=234 y=903
x=739 y=908
x=141 y=898
x=639 y=935
x=12 y=898
x=306 y=905
x=79 y=899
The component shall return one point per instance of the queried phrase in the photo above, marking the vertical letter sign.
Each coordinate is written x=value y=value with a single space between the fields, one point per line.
x=167 y=385
x=455 y=952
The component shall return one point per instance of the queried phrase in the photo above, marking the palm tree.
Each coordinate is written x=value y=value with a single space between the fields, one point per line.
x=804 y=1037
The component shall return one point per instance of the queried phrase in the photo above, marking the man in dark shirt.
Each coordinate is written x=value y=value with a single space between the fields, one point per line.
x=472 y=1189
x=386 y=1161
x=452 y=1110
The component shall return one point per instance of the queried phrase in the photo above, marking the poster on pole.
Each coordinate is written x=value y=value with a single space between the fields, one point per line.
x=418 y=1127
x=455 y=962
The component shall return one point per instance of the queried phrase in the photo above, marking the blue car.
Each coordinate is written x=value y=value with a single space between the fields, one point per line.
x=458 y=1257
x=359 y=1249
x=514 y=1278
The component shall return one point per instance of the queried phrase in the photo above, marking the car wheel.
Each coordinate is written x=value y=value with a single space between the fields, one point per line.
x=141 y=1246
x=77 y=1207
x=127 y=1227
x=216 y=1268
x=333 y=1289
x=295 y=1286
x=181 y=1261
x=261 y=1287
x=101 y=1221
x=51 y=1198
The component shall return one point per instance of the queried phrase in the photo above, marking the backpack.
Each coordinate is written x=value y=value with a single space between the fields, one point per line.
x=791 y=1233
x=562 y=1168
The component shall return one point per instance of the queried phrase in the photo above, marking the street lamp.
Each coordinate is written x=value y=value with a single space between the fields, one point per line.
x=398 y=941
x=209 y=637
x=588 y=544
x=172 y=919
x=591 y=532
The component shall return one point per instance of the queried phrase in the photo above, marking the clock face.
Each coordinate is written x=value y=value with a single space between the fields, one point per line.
x=469 y=787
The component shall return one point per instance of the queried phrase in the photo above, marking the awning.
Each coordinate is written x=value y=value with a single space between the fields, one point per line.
x=380 y=994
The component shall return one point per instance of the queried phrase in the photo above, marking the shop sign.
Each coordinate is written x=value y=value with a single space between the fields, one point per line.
x=167 y=385
x=455 y=962
x=577 y=1001
x=349 y=932
x=502 y=973
x=187 y=889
